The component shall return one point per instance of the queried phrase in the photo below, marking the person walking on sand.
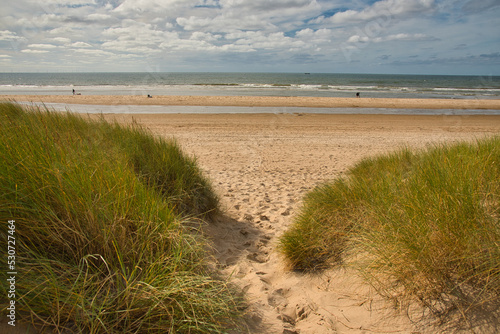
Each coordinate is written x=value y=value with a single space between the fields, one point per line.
x=357 y=94
x=73 y=91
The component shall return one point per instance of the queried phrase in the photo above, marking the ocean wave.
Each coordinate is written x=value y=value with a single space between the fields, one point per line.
x=482 y=89
x=258 y=88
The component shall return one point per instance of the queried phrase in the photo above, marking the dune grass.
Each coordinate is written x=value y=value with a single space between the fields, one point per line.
x=102 y=238
x=421 y=224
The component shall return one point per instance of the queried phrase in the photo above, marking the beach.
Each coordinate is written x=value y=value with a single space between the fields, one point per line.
x=261 y=165
x=242 y=121
x=261 y=101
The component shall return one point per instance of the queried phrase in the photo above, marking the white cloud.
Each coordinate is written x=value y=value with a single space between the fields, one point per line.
x=389 y=38
x=41 y=22
x=357 y=39
x=94 y=52
x=136 y=37
x=81 y=45
x=234 y=15
x=66 y=2
x=42 y=46
x=260 y=40
x=405 y=37
x=61 y=30
x=99 y=17
x=194 y=23
x=6 y=35
x=266 y=5
x=319 y=41
x=187 y=45
x=226 y=23
x=34 y=51
x=130 y=7
x=320 y=34
x=204 y=36
x=384 y=9
x=130 y=47
x=239 y=48
x=290 y=32
x=62 y=40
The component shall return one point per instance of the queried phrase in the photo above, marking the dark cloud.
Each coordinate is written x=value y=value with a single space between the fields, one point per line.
x=491 y=56
x=462 y=46
x=476 y=6
x=484 y=59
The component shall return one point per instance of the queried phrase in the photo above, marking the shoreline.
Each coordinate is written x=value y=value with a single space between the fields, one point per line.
x=259 y=101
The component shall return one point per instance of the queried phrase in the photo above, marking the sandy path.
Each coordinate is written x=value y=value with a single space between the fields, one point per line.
x=261 y=101
x=261 y=165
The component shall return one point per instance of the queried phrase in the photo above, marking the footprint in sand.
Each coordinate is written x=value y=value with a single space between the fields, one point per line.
x=259 y=257
x=277 y=298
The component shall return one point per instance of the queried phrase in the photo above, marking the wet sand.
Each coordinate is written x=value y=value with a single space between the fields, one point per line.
x=260 y=101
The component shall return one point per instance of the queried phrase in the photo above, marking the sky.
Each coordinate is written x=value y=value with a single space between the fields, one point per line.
x=317 y=36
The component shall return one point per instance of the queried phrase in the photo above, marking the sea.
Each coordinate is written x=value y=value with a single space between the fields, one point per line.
x=253 y=84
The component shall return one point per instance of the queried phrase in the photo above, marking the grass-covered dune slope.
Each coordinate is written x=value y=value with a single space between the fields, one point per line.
x=418 y=224
x=101 y=240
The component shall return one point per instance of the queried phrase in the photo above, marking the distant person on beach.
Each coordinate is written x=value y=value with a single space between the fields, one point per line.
x=73 y=92
x=357 y=94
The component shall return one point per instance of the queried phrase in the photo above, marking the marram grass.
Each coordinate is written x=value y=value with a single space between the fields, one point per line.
x=101 y=244
x=425 y=224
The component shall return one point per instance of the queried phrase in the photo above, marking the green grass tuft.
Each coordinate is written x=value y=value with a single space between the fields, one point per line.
x=426 y=224
x=101 y=240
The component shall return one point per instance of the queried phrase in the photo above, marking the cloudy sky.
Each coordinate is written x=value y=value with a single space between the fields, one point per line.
x=330 y=36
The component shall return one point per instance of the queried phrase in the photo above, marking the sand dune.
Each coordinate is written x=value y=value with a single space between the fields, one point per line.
x=261 y=166
x=261 y=101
